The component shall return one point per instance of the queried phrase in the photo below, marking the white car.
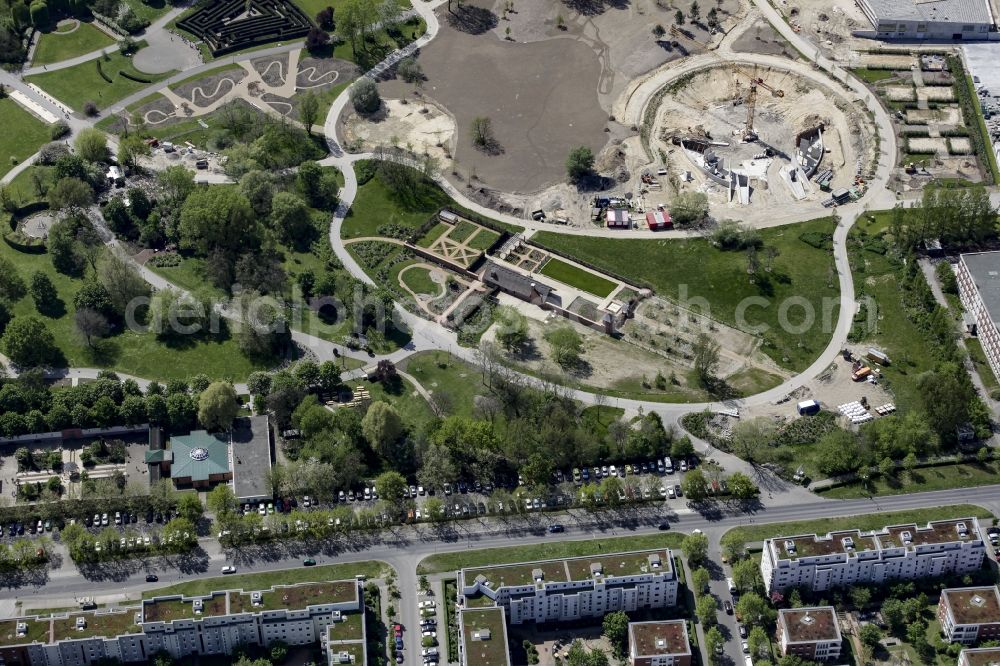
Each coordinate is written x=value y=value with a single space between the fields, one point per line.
x=429 y=652
x=428 y=634
x=663 y=492
x=427 y=603
x=746 y=648
x=229 y=569
x=262 y=510
x=421 y=491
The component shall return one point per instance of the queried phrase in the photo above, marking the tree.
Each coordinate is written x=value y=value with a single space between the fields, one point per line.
x=189 y=507
x=741 y=487
x=659 y=31
x=382 y=427
x=746 y=575
x=308 y=110
x=713 y=643
x=391 y=486
x=324 y=18
x=511 y=328
x=410 y=70
x=695 y=485
x=11 y=284
x=278 y=653
x=316 y=40
x=758 y=643
x=706 y=609
x=365 y=96
x=839 y=453
x=753 y=609
x=130 y=149
x=893 y=614
x=91 y=325
x=615 y=627
x=910 y=462
x=886 y=467
x=705 y=353
x=860 y=596
x=580 y=164
x=71 y=193
x=437 y=467
x=217 y=406
x=259 y=383
x=679 y=17
x=222 y=501
x=217 y=217
x=694 y=12
x=178 y=535
x=870 y=635
x=689 y=208
x=566 y=345
x=538 y=470
x=695 y=547
x=700 y=579
x=434 y=508
x=28 y=342
x=329 y=377
x=482 y=134
x=291 y=220
x=92 y=145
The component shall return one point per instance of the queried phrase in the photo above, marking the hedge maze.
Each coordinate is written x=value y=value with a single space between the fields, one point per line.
x=231 y=25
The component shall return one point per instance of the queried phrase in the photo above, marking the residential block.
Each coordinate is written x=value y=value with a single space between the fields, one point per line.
x=659 y=643
x=969 y=614
x=812 y=634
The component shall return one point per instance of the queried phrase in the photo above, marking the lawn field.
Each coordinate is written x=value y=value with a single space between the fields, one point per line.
x=441 y=373
x=694 y=271
x=923 y=479
x=866 y=521
x=978 y=358
x=313 y=7
x=262 y=581
x=449 y=562
x=148 y=9
x=872 y=75
x=375 y=206
x=484 y=239
x=568 y=274
x=58 y=46
x=436 y=232
x=23 y=134
x=140 y=354
x=75 y=86
x=418 y=279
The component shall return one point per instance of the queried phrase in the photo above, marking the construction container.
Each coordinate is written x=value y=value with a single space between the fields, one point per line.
x=877 y=356
x=808 y=407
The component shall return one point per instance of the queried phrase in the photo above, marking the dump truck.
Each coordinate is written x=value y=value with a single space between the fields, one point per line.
x=861 y=373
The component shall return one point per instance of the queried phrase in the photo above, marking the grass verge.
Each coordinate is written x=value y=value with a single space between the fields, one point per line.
x=923 y=479
x=568 y=274
x=58 y=46
x=22 y=135
x=264 y=580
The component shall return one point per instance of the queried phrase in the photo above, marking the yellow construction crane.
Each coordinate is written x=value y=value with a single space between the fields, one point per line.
x=751 y=99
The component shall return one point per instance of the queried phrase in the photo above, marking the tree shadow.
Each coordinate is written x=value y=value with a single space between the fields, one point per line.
x=52 y=309
x=472 y=20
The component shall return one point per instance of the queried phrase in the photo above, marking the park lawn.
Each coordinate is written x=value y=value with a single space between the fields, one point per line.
x=693 y=269
x=751 y=381
x=188 y=275
x=923 y=479
x=865 y=521
x=441 y=373
x=75 y=86
x=875 y=278
x=267 y=579
x=418 y=279
x=141 y=354
x=58 y=46
x=382 y=43
x=375 y=205
x=148 y=9
x=450 y=562
x=23 y=134
x=484 y=240
x=412 y=407
x=22 y=187
x=978 y=358
x=313 y=7
x=462 y=230
x=557 y=269
x=327 y=97
x=436 y=232
x=871 y=76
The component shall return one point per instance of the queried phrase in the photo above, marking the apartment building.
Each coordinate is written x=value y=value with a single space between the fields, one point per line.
x=659 y=643
x=573 y=588
x=979 y=657
x=969 y=615
x=896 y=552
x=812 y=634
x=483 y=637
x=978 y=276
x=184 y=626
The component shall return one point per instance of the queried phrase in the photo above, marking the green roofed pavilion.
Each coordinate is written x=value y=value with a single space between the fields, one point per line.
x=200 y=458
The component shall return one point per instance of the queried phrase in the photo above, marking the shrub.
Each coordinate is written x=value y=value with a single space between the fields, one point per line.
x=100 y=70
x=365 y=96
x=58 y=130
x=90 y=109
x=130 y=77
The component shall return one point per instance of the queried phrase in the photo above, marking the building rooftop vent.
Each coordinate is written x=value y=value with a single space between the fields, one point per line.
x=22 y=629
x=198 y=605
x=199 y=453
x=654 y=561
x=789 y=545
x=596 y=569
x=977 y=601
x=661 y=643
x=906 y=536
x=344 y=657
x=81 y=623
x=256 y=598
x=962 y=529
x=808 y=619
x=538 y=574
x=481 y=635
x=848 y=543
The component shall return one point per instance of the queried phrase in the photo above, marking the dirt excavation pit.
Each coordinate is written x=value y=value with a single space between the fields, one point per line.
x=710 y=107
x=420 y=126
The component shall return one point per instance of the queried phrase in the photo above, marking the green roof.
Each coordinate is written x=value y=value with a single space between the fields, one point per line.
x=199 y=455
x=160 y=455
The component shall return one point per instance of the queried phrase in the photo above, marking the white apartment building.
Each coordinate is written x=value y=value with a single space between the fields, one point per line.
x=848 y=557
x=979 y=657
x=810 y=633
x=969 y=615
x=978 y=276
x=659 y=643
x=181 y=626
x=573 y=588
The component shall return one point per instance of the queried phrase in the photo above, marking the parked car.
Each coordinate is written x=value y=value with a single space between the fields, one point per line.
x=677 y=490
x=743 y=631
x=728 y=605
x=427 y=603
x=229 y=569
x=309 y=562
x=554 y=529
x=663 y=526
x=152 y=578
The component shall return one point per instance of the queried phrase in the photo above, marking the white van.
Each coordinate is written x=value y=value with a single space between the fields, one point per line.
x=747 y=661
x=669 y=465
x=732 y=585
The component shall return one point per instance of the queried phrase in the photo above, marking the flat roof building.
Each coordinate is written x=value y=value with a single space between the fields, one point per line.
x=251 y=454
x=483 y=637
x=979 y=657
x=929 y=19
x=978 y=276
x=969 y=615
x=847 y=557
x=659 y=643
x=812 y=634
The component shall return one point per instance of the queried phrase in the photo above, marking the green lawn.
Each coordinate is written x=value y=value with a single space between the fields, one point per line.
x=978 y=357
x=446 y=562
x=692 y=269
x=441 y=373
x=569 y=274
x=484 y=239
x=23 y=134
x=436 y=232
x=313 y=7
x=750 y=381
x=375 y=205
x=22 y=187
x=419 y=280
x=141 y=354
x=148 y=9
x=78 y=85
x=262 y=581
x=923 y=479
x=56 y=46
x=411 y=406
x=462 y=230
x=872 y=75
x=866 y=521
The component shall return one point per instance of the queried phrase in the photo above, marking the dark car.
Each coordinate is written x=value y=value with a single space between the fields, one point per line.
x=309 y=562
x=677 y=489
x=556 y=528
x=149 y=517
x=663 y=526
x=728 y=605
x=399 y=657
x=743 y=631
x=152 y=578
